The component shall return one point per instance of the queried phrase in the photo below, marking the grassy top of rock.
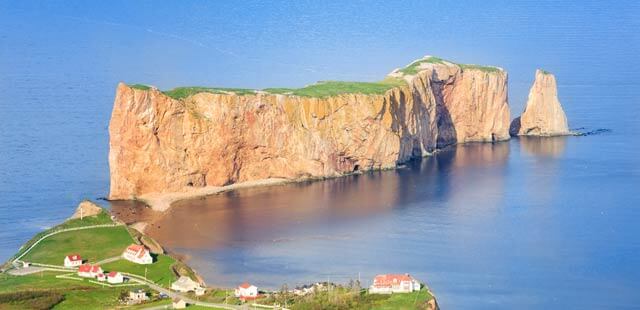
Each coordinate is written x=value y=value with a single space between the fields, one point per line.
x=325 y=89
x=320 y=89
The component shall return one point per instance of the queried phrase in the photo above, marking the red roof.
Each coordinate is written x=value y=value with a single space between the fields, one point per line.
x=84 y=268
x=138 y=249
x=245 y=285
x=100 y=275
x=89 y=268
x=112 y=274
x=135 y=247
x=390 y=279
x=74 y=257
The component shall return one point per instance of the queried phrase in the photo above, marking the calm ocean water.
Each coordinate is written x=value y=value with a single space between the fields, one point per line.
x=521 y=224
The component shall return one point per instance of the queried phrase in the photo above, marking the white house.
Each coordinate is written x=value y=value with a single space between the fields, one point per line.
x=138 y=296
x=185 y=284
x=138 y=254
x=179 y=304
x=115 y=277
x=73 y=260
x=89 y=271
x=394 y=283
x=246 y=291
x=101 y=277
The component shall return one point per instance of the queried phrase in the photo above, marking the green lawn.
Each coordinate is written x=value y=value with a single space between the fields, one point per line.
x=92 y=244
x=100 y=219
x=159 y=272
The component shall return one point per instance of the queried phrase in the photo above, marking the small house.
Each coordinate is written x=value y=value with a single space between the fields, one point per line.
x=138 y=296
x=115 y=277
x=101 y=277
x=185 y=284
x=138 y=254
x=246 y=291
x=89 y=271
x=72 y=261
x=179 y=303
x=394 y=283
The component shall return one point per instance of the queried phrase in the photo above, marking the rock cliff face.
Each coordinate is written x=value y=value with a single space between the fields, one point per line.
x=543 y=114
x=159 y=144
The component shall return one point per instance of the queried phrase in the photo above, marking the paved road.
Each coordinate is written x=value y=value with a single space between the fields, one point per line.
x=108 y=260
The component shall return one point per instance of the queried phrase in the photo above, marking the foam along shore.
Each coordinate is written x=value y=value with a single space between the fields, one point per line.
x=162 y=201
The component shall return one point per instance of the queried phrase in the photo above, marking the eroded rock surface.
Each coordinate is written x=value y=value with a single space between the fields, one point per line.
x=159 y=144
x=543 y=115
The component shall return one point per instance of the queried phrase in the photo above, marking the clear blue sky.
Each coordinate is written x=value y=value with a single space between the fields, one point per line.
x=291 y=43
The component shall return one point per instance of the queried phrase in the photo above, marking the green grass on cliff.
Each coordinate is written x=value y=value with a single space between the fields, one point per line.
x=478 y=67
x=140 y=86
x=332 y=88
x=412 y=68
x=184 y=92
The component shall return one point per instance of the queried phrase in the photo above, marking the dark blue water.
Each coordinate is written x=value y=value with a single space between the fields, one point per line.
x=510 y=225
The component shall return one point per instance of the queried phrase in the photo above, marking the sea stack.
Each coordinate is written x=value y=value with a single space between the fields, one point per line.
x=543 y=114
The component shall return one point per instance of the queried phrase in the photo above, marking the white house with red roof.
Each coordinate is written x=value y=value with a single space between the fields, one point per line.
x=89 y=271
x=394 y=283
x=138 y=254
x=101 y=277
x=246 y=291
x=73 y=260
x=115 y=277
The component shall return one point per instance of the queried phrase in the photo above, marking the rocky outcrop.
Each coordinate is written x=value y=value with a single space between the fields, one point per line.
x=543 y=114
x=159 y=144
x=86 y=208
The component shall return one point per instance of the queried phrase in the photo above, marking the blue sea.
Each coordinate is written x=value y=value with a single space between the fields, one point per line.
x=527 y=223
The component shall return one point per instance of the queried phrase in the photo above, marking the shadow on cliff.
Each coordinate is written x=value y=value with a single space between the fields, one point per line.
x=426 y=137
x=514 y=128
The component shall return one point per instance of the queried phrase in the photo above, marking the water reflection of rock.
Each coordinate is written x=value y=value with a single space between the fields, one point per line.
x=266 y=214
x=544 y=146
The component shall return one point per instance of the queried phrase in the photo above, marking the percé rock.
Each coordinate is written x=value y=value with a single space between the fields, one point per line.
x=543 y=114
x=86 y=208
x=159 y=144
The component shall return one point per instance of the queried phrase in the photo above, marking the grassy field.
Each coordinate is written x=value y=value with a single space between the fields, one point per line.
x=92 y=244
x=159 y=272
x=77 y=294
x=333 y=88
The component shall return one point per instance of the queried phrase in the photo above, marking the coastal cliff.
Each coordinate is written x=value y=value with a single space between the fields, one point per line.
x=161 y=143
x=543 y=115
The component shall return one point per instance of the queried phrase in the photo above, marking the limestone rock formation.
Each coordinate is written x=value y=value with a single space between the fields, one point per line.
x=543 y=114
x=159 y=144
x=86 y=208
